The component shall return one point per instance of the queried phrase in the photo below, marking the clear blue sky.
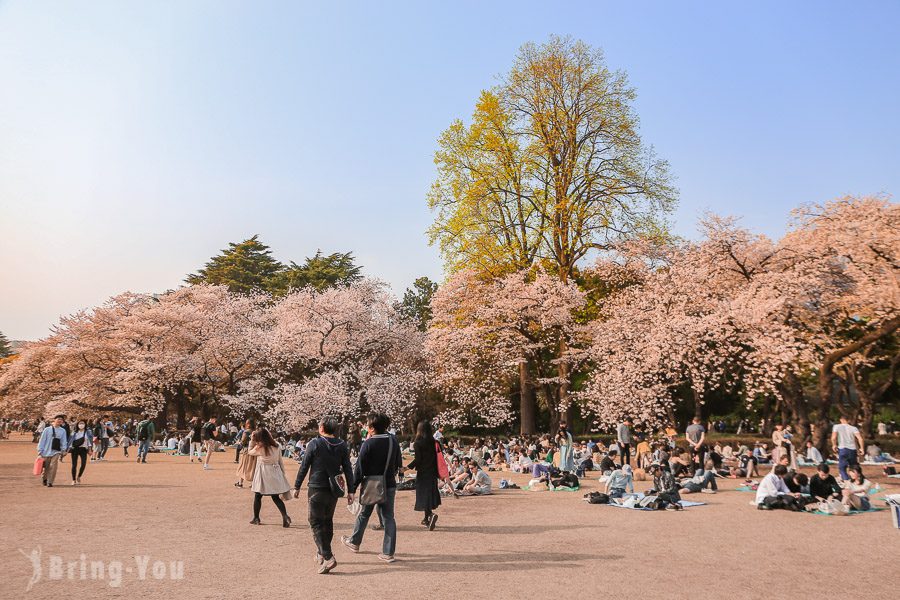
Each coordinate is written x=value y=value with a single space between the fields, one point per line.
x=138 y=138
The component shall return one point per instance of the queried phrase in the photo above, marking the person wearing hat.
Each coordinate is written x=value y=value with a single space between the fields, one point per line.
x=665 y=488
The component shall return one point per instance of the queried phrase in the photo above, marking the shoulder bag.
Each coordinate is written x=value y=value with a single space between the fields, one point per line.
x=374 y=487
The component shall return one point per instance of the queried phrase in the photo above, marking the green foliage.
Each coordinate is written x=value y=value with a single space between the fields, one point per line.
x=416 y=303
x=320 y=272
x=5 y=346
x=249 y=267
x=245 y=267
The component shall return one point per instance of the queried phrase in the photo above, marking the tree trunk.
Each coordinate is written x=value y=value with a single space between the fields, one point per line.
x=767 y=425
x=698 y=406
x=527 y=423
x=826 y=376
x=564 y=372
x=792 y=393
x=162 y=417
x=180 y=410
x=552 y=408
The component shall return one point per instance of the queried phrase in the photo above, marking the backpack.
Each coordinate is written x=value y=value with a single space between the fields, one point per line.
x=143 y=432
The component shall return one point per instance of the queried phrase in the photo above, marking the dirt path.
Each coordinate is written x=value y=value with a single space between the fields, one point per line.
x=514 y=544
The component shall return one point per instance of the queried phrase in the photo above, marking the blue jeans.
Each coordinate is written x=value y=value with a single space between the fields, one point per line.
x=846 y=457
x=386 y=509
x=143 y=449
x=616 y=492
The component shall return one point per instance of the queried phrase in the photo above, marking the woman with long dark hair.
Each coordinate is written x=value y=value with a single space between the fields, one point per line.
x=80 y=445
x=427 y=454
x=268 y=476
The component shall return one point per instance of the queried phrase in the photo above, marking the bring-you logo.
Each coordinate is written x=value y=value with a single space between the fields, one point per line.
x=54 y=567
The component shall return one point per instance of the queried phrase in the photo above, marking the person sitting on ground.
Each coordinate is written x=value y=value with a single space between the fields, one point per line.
x=704 y=480
x=498 y=463
x=823 y=485
x=873 y=453
x=480 y=482
x=798 y=483
x=680 y=462
x=772 y=492
x=608 y=463
x=460 y=480
x=664 y=488
x=660 y=454
x=727 y=452
x=813 y=456
x=747 y=466
x=783 y=459
x=760 y=454
x=620 y=481
x=856 y=490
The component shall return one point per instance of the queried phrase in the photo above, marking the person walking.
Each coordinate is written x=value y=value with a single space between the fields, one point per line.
x=247 y=463
x=326 y=457
x=196 y=426
x=210 y=436
x=103 y=427
x=623 y=437
x=379 y=457
x=268 y=475
x=146 y=431
x=427 y=455
x=52 y=443
x=847 y=444
x=79 y=447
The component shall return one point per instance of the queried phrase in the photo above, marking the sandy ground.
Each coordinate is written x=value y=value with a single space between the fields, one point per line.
x=514 y=544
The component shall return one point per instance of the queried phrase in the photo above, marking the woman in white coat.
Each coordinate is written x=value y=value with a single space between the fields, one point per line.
x=268 y=476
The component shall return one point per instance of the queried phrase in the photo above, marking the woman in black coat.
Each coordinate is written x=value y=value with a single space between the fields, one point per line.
x=425 y=464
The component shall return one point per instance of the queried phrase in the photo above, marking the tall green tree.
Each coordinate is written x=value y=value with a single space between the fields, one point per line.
x=245 y=267
x=5 y=346
x=321 y=272
x=551 y=169
x=416 y=303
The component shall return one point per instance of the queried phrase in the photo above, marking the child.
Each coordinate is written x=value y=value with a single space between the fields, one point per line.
x=125 y=442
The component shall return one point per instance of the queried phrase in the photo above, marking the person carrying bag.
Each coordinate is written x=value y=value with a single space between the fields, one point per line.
x=376 y=473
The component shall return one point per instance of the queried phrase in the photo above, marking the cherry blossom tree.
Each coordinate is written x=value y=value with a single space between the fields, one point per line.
x=487 y=336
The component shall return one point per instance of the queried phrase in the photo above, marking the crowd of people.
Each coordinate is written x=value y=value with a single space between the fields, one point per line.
x=369 y=467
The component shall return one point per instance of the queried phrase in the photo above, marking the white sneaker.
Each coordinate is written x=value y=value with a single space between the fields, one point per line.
x=206 y=467
x=388 y=558
x=327 y=566
x=707 y=491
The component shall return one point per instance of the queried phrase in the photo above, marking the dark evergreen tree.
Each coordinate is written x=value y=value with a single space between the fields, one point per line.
x=320 y=272
x=5 y=346
x=416 y=303
x=245 y=267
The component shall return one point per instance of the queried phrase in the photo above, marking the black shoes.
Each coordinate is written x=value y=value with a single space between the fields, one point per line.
x=432 y=522
x=254 y=522
x=286 y=521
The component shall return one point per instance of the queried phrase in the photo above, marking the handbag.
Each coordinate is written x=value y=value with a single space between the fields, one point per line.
x=374 y=487
x=442 y=470
x=38 y=465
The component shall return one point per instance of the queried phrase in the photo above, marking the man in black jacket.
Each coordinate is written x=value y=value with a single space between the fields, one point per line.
x=379 y=455
x=325 y=458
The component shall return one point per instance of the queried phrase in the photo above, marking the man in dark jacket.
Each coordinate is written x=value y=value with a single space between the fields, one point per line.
x=379 y=455
x=325 y=458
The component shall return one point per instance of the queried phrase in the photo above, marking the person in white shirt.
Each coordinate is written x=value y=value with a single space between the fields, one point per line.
x=813 y=455
x=773 y=492
x=847 y=444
